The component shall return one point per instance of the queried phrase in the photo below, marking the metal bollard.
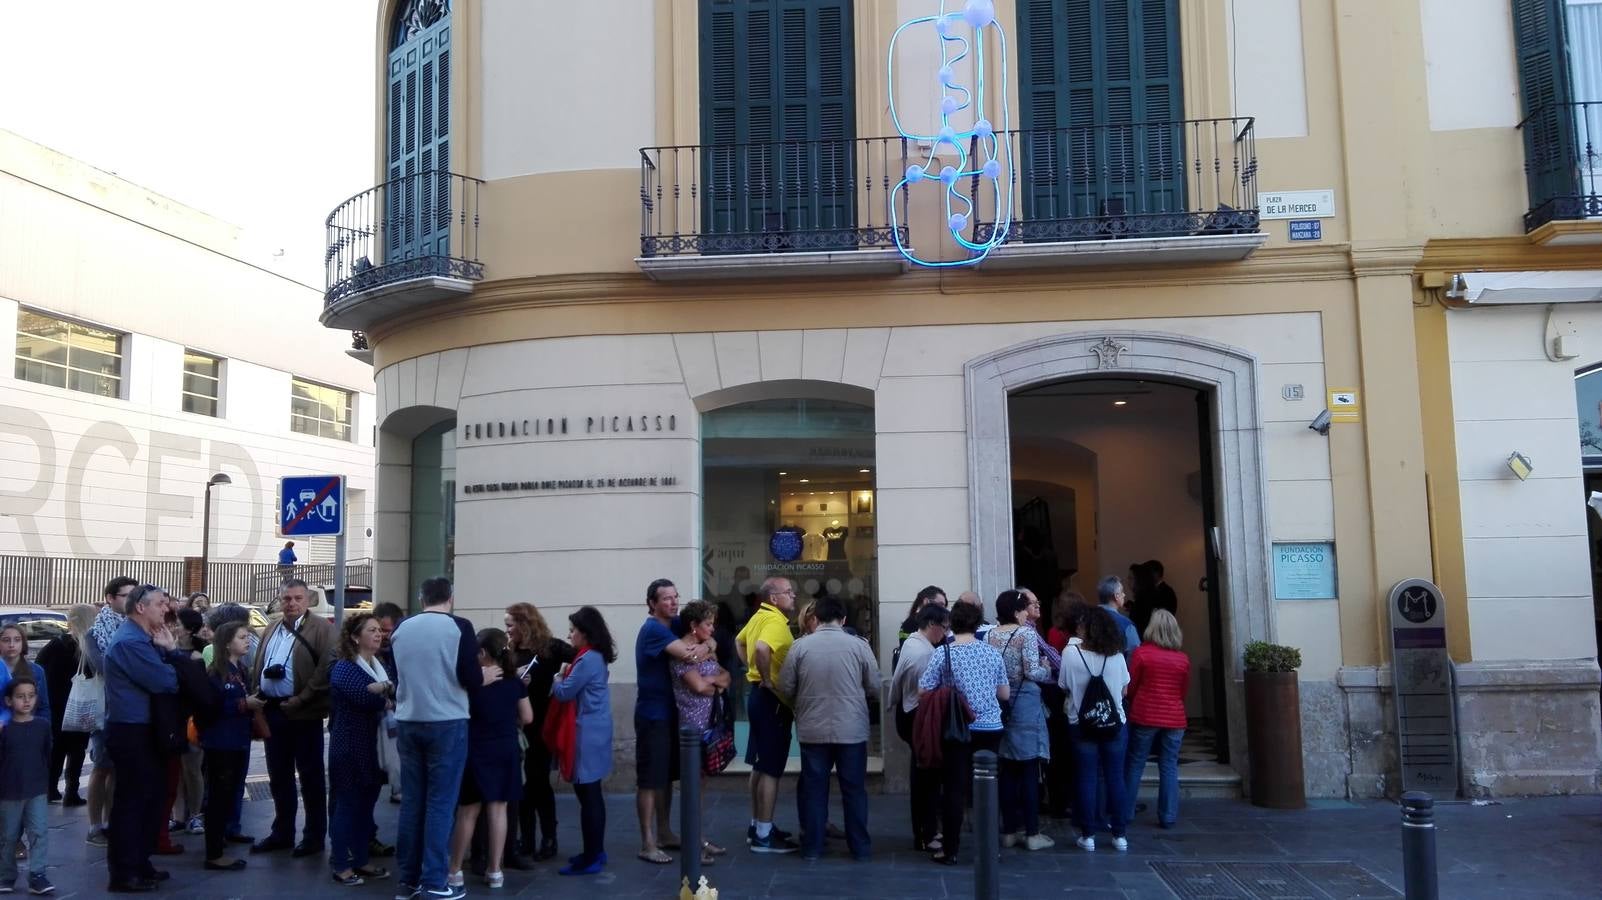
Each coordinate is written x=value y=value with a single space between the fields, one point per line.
x=986 y=828
x=690 y=805
x=1418 y=847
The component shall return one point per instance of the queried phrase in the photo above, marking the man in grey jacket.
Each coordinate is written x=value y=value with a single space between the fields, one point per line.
x=829 y=674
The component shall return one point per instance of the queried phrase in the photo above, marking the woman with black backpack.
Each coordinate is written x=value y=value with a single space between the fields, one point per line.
x=1094 y=677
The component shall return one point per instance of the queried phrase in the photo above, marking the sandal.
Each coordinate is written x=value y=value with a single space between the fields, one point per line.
x=375 y=873
x=713 y=849
x=707 y=859
x=656 y=857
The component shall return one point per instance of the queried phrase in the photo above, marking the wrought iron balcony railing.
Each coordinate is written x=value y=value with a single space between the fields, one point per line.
x=414 y=226
x=1563 y=162
x=773 y=197
x=1142 y=180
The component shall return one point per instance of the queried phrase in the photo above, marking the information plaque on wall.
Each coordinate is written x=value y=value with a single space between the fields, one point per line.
x=1304 y=571
x=1426 y=701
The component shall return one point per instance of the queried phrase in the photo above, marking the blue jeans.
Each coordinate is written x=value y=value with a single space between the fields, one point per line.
x=15 y=815
x=1140 y=740
x=850 y=762
x=433 y=755
x=350 y=825
x=1099 y=764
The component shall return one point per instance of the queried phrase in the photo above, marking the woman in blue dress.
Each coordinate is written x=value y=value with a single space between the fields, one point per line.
x=359 y=692
x=494 y=773
x=585 y=684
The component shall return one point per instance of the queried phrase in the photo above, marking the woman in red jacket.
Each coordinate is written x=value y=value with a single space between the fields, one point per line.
x=1159 y=672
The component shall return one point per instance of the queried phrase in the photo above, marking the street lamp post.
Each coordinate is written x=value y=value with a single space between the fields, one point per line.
x=205 y=527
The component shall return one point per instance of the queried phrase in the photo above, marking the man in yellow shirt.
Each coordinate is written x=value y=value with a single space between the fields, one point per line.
x=762 y=645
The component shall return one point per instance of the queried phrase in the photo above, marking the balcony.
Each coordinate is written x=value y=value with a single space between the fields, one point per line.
x=1563 y=170
x=401 y=246
x=1174 y=192
x=771 y=209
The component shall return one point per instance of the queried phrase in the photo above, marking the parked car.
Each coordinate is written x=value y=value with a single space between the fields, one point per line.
x=38 y=625
x=320 y=599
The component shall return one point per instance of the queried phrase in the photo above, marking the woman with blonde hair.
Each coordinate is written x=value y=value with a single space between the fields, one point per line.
x=61 y=659
x=1159 y=673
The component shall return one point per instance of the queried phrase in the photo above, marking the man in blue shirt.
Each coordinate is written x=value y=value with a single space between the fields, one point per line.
x=656 y=740
x=1110 y=593
x=139 y=660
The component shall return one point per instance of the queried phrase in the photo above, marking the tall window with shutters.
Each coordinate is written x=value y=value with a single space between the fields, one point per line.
x=777 y=125
x=1100 y=86
x=1559 y=44
x=417 y=197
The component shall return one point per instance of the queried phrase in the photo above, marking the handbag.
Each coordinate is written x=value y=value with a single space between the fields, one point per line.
x=717 y=741
x=560 y=729
x=86 y=703
x=958 y=714
x=258 y=726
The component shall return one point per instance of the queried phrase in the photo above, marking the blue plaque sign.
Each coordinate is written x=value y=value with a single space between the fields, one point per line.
x=1304 y=571
x=1306 y=230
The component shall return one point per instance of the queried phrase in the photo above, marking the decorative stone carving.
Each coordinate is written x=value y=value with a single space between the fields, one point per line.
x=1107 y=353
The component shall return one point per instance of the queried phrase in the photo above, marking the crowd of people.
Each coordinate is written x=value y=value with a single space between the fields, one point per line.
x=162 y=697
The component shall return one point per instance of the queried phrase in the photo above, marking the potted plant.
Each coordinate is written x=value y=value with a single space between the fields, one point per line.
x=1274 y=726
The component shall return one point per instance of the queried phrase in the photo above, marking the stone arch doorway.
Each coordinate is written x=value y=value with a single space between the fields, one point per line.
x=1239 y=537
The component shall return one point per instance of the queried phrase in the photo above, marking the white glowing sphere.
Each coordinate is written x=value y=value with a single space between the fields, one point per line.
x=958 y=221
x=942 y=26
x=948 y=105
x=979 y=13
x=946 y=75
x=914 y=173
x=948 y=176
x=983 y=129
x=992 y=168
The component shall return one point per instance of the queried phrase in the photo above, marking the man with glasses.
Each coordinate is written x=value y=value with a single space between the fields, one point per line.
x=138 y=665
x=763 y=643
x=292 y=677
x=923 y=784
x=106 y=623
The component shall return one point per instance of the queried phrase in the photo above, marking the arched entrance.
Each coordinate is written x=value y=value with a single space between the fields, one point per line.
x=1230 y=467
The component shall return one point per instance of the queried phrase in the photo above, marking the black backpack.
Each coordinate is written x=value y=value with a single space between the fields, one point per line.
x=1099 y=721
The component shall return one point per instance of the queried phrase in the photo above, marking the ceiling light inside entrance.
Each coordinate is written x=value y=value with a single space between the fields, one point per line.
x=1120 y=403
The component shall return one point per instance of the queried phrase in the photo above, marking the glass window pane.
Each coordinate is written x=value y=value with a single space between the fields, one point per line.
x=200 y=384
x=32 y=347
x=1588 y=401
x=201 y=364
x=41 y=326
x=40 y=373
x=95 y=339
x=91 y=383
x=204 y=406
x=91 y=361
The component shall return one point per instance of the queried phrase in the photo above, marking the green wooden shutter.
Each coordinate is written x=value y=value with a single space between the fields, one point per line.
x=777 y=113
x=418 y=207
x=1106 y=74
x=1549 y=139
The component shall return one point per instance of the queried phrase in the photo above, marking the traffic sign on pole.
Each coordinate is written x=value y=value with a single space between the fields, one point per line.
x=311 y=505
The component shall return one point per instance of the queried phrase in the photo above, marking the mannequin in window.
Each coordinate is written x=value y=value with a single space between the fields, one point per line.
x=813 y=547
x=836 y=534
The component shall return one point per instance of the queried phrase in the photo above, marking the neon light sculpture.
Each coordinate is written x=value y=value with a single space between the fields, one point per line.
x=996 y=166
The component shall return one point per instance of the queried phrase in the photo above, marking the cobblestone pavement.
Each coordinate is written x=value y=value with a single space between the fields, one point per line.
x=1546 y=848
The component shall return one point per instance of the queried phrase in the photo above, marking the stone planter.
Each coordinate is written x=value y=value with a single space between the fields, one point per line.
x=1274 y=740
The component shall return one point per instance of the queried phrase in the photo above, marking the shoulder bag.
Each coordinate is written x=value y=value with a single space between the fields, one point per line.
x=958 y=713
x=1099 y=721
x=717 y=741
x=85 y=710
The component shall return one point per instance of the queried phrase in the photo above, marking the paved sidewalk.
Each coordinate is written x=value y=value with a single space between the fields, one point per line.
x=1546 y=848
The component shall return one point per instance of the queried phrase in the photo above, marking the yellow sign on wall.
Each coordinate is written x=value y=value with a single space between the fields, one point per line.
x=1344 y=405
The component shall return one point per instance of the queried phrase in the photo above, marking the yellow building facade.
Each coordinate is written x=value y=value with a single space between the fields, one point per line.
x=1270 y=293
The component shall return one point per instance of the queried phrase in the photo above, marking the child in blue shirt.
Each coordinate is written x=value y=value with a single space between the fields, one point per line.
x=24 y=782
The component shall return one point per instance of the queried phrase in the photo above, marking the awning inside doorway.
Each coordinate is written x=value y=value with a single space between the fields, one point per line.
x=1492 y=288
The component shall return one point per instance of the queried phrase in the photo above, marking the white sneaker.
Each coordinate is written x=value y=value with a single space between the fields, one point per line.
x=1121 y=844
x=495 y=879
x=1087 y=844
x=455 y=879
x=1039 y=842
